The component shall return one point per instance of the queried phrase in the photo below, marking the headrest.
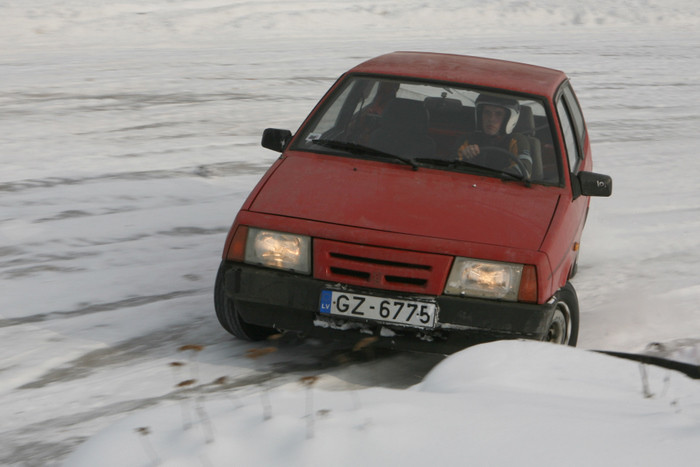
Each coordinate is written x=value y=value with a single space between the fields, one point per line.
x=406 y=113
x=526 y=122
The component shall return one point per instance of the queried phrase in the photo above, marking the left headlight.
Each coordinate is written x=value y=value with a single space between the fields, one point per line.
x=484 y=279
x=278 y=250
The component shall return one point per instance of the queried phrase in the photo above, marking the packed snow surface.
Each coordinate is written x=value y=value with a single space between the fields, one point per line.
x=131 y=136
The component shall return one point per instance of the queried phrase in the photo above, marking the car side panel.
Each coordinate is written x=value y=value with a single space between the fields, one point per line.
x=563 y=239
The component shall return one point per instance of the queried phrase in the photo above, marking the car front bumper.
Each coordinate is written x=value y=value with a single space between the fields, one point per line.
x=290 y=302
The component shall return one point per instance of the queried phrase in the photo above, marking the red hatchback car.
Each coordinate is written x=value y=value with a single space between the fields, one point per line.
x=429 y=201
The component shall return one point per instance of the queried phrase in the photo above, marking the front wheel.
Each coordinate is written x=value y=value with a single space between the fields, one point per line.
x=229 y=317
x=563 y=329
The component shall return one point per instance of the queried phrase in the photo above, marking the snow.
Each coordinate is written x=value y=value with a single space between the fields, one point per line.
x=131 y=137
x=507 y=403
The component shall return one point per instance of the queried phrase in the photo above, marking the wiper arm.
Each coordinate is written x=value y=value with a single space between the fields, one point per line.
x=433 y=161
x=518 y=177
x=360 y=149
x=502 y=173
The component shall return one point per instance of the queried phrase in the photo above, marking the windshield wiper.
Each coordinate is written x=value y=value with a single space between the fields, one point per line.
x=503 y=174
x=355 y=148
x=432 y=161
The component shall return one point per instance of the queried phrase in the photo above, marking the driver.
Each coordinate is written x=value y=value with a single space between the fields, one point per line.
x=495 y=120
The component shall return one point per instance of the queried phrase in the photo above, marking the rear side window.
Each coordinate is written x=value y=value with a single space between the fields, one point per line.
x=567 y=128
x=573 y=126
x=576 y=115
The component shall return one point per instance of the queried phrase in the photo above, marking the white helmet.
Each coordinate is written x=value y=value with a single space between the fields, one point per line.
x=511 y=105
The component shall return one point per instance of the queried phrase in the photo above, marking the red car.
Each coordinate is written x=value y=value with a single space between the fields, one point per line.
x=429 y=201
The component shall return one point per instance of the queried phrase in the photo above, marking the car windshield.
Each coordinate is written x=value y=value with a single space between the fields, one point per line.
x=431 y=124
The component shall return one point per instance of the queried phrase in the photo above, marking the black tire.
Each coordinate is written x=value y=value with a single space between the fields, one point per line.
x=563 y=329
x=230 y=319
x=574 y=268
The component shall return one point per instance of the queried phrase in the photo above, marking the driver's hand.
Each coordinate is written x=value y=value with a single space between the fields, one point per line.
x=468 y=152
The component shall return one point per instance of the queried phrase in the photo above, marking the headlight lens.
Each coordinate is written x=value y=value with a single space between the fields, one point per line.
x=484 y=279
x=278 y=250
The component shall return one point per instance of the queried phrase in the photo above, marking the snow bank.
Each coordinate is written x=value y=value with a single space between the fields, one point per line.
x=505 y=403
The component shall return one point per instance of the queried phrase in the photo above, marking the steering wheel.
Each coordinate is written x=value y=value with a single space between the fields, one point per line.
x=500 y=152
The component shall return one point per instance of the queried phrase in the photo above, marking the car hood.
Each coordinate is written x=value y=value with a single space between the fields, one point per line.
x=395 y=198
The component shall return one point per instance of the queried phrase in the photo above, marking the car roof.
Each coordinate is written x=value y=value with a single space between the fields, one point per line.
x=477 y=71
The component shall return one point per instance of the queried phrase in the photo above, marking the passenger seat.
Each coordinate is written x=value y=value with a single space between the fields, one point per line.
x=526 y=127
x=404 y=130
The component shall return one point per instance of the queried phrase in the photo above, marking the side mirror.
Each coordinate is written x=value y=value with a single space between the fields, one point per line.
x=593 y=184
x=276 y=139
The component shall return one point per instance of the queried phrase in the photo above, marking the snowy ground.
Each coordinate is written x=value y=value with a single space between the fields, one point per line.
x=130 y=136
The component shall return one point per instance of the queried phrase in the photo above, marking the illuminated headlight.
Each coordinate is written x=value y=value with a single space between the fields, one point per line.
x=484 y=279
x=278 y=250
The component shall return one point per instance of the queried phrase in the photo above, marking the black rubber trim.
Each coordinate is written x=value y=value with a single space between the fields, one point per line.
x=693 y=371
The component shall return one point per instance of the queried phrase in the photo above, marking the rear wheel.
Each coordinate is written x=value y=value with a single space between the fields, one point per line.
x=229 y=317
x=563 y=329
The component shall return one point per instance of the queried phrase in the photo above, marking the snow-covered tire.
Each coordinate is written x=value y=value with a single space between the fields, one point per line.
x=563 y=329
x=229 y=317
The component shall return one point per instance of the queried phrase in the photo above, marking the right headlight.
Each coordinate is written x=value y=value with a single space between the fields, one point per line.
x=278 y=250
x=484 y=279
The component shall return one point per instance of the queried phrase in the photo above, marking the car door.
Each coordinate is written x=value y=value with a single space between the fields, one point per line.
x=578 y=158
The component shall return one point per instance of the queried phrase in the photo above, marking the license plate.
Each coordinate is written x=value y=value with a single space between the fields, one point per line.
x=390 y=310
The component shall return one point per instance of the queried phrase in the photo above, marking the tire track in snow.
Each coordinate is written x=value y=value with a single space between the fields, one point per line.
x=100 y=307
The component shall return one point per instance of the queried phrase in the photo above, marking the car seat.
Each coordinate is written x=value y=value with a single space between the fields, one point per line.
x=526 y=127
x=404 y=130
x=449 y=124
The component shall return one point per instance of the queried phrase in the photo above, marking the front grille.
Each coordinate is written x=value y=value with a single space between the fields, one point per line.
x=380 y=268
